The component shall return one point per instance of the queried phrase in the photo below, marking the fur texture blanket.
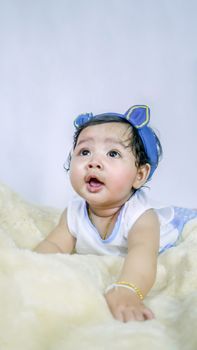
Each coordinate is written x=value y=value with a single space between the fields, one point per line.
x=55 y=302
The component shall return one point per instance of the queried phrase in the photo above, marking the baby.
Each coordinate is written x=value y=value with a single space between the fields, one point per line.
x=113 y=156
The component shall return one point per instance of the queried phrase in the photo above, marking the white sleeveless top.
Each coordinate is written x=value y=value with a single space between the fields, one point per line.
x=89 y=241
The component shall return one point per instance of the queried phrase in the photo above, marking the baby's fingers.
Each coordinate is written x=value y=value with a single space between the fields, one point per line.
x=133 y=314
x=118 y=315
x=144 y=314
x=148 y=314
x=128 y=314
x=124 y=314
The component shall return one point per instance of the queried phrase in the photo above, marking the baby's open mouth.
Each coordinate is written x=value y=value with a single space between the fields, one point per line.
x=94 y=184
x=93 y=181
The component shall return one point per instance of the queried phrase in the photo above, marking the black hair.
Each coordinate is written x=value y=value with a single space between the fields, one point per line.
x=135 y=142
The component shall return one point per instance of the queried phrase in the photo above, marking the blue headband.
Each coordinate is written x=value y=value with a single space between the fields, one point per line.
x=138 y=117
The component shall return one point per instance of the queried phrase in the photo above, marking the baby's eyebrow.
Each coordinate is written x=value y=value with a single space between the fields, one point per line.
x=91 y=139
x=107 y=140
x=115 y=141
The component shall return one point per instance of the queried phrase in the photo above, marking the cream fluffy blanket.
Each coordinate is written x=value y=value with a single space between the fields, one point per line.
x=55 y=302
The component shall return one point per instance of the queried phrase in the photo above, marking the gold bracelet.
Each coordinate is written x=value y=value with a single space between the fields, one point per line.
x=132 y=287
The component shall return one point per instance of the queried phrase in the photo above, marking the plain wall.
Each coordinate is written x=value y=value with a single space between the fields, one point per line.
x=62 y=58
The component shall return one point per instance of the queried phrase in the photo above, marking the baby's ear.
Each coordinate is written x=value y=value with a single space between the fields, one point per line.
x=142 y=176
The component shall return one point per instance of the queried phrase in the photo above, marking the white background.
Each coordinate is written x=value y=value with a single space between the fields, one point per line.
x=60 y=58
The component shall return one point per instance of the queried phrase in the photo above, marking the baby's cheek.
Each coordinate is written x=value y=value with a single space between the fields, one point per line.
x=125 y=180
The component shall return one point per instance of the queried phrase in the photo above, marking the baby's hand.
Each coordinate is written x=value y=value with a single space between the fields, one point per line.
x=126 y=306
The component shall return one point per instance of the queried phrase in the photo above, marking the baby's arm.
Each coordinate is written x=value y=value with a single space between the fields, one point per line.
x=139 y=269
x=59 y=240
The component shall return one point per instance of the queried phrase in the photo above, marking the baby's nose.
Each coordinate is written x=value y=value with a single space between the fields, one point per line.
x=95 y=163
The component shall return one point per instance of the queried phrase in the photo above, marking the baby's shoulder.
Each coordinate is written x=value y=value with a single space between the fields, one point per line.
x=76 y=203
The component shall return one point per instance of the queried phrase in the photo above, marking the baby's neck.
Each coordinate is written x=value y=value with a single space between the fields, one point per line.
x=103 y=220
x=104 y=212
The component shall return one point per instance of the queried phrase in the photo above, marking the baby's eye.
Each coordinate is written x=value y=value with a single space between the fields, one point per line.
x=84 y=152
x=114 y=154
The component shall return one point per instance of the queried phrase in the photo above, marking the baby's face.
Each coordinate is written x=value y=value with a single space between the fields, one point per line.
x=103 y=169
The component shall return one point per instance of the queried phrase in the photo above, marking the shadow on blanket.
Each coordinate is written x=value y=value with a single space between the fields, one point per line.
x=55 y=302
